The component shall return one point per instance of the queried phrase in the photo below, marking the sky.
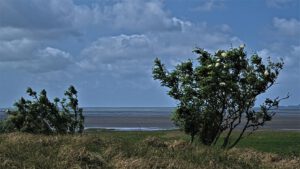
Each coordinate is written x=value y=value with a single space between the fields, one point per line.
x=106 y=48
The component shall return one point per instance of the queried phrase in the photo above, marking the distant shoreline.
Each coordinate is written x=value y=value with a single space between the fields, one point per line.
x=159 y=118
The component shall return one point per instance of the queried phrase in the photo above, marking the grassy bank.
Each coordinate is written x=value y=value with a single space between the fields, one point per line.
x=164 y=149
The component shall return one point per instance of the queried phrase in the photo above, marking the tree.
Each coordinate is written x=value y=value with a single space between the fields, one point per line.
x=218 y=93
x=77 y=123
x=40 y=115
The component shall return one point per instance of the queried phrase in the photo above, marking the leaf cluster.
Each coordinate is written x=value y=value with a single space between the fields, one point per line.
x=40 y=115
x=219 y=91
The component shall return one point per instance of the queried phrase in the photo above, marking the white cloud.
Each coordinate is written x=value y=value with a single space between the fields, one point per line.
x=289 y=27
x=296 y=57
x=26 y=28
x=38 y=60
x=296 y=51
x=284 y=43
x=208 y=5
x=289 y=79
x=267 y=53
x=51 y=59
x=291 y=60
x=134 y=54
x=281 y=3
x=116 y=42
x=36 y=14
x=137 y=16
x=118 y=55
x=111 y=49
x=15 y=50
x=36 y=19
x=10 y=33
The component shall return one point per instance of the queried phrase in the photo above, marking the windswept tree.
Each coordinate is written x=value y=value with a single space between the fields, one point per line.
x=40 y=115
x=77 y=124
x=218 y=93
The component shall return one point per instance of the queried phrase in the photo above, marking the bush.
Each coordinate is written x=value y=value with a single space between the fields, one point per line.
x=218 y=91
x=40 y=115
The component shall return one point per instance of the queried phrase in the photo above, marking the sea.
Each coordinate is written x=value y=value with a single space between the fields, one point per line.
x=287 y=118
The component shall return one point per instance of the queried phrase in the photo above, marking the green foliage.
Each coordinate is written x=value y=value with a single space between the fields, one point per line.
x=40 y=115
x=6 y=126
x=217 y=92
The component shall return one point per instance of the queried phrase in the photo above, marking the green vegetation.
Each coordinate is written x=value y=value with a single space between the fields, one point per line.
x=218 y=92
x=40 y=115
x=162 y=149
x=283 y=143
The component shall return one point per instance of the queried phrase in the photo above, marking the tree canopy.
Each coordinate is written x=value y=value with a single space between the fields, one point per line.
x=218 y=93
x=40 y=115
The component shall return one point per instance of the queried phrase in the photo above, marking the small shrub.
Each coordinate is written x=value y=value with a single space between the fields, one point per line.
x=40 y=115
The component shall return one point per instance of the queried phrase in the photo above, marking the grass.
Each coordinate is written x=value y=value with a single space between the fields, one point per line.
x=160 y=149
x=283 y=143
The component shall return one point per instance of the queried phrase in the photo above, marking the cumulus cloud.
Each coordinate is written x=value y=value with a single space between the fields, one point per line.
x=149 y=31
x=40 y=61
x=124 y=57
x=16 y=50
x=289 y=79
x=281 y=3
x=122 y=47
x=289 y=27
x=291 y=58
x=115 y=41
x=286 y=44
x=35 y=19
x=35 y=14
x=121 y=54
x=137 y=16
x=208 y=5
x=51 y=59
x=296 y=57
x=129 y=54
x=28 y=28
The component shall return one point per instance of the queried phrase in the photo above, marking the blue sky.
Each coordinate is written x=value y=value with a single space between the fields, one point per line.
x=106 y=48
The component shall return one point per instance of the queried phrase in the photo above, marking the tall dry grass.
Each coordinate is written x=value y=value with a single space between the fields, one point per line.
x=127 y=151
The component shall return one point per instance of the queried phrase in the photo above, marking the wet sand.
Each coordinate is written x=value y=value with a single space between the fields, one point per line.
x=279 y=122
x=111 y=121
x=159 y=119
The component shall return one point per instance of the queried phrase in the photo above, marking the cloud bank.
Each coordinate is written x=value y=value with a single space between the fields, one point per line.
x=107 y=48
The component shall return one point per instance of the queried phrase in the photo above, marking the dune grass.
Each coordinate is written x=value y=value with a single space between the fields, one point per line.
x=161 y=149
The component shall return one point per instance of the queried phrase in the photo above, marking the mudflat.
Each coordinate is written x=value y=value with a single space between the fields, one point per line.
x=279 y=122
